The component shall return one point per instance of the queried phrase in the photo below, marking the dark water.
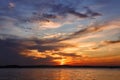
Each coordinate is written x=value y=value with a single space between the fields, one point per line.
x=60 y=74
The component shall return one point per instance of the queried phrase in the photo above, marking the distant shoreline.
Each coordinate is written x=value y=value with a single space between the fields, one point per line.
x=57 y=66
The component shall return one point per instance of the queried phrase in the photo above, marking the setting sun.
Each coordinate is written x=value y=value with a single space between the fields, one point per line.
x=62 y=62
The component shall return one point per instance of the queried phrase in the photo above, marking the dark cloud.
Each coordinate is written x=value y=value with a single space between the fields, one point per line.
x=49 y=16
x=45 y=45
x=60 y=11
x=11 y=49
x=63 y=10
x=112 y=42
x=91 y=13
x=74 y=55
x=29 y=11
x=10 y=54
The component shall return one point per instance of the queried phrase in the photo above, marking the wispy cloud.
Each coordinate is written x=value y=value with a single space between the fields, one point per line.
x=105 y=43
x=11 y=5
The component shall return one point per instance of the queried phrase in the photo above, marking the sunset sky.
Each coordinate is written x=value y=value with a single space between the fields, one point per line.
x=60 y=32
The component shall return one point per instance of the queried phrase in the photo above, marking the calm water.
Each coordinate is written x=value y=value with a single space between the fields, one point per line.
x=60 y=74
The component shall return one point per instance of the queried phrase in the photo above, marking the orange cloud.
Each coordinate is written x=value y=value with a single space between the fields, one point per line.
x=106 y=43
x=96 y=61
x=33 y=53
x=74 y=49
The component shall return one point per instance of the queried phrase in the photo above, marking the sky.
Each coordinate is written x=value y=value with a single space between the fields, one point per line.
x=60 y=32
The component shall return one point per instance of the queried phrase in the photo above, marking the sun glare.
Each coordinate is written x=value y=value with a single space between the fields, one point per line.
x=62 y=62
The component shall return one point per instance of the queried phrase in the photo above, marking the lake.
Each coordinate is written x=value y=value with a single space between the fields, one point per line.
x=60 y=74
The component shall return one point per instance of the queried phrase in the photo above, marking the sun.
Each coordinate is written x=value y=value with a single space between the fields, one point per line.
x=62 y=61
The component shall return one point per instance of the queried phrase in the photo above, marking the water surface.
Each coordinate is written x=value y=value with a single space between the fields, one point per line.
x=60 y=74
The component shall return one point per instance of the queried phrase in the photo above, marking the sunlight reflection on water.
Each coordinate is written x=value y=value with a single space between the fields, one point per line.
x=59 y=74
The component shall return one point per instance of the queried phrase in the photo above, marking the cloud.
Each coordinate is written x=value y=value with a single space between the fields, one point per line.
x=93 y=31
x=105 y=43
x=63 y=9
x=55 y=36
x=33 y=53
x=53 y=11
x=25 y=23
x=98 y=61
x=11 y=5
x=60 y=11
x=23 y=53
x=73 y=55
x=50 y=50
x=46 y=50
x=56 y=43
x=110 y=42
x=29 y=19
x=49 y=24
x=91 y=13
x=10 y=28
